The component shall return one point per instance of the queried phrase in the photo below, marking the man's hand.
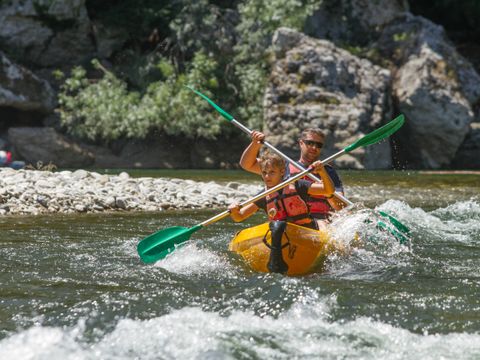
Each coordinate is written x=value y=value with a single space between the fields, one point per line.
x=318 y=166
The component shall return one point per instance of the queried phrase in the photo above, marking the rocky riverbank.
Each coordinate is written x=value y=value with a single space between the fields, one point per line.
x=29 y=192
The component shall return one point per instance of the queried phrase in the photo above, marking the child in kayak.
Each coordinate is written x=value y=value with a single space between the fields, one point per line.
x=290 y=203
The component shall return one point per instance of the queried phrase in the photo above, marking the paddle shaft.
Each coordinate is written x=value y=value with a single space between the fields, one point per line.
x=257 y=197
x=294 y=163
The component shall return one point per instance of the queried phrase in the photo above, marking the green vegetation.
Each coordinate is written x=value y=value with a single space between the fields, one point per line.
x=221 y=48
x=106 y=109
x=401 y=37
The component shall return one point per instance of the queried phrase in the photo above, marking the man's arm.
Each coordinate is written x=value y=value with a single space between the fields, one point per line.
x=326 y=187
x=334 y=202
x=249 y=161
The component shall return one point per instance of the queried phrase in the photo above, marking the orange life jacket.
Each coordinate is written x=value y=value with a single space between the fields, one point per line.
x=318 y=204
x=287 y=205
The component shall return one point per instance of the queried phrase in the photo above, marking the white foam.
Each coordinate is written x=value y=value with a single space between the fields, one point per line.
x=302 y=331
x=190 y=260
x=458 y=222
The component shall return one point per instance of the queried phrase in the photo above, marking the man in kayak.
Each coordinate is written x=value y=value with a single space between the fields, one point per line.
x=311 y=142
x=290 y=203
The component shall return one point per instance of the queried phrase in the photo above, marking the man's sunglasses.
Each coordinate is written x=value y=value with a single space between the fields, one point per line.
x=317 y=144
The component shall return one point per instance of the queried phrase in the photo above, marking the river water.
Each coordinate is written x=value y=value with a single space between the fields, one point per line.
x=73 y=287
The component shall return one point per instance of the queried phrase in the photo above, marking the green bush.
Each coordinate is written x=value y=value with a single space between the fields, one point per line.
x=105 y=110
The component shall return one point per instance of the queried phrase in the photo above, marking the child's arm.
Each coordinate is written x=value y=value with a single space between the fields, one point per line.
x=326 y=187
x=249 y=161
x=238 y=213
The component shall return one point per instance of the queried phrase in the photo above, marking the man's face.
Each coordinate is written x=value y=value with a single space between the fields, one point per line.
x=311 y=147
x=272 y=175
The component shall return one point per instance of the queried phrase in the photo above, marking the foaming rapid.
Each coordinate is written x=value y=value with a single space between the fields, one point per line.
x=367 y=248
x=304 y=331
x=190 y=260
x=378 y=299
x=458 y=222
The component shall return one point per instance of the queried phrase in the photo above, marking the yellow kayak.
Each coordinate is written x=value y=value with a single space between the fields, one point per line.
x=303 y=250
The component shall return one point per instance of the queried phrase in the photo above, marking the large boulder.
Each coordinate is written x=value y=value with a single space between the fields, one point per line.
x=22 y=90
x=34 y=144
x=313 y=83
x=434 y=86
x=46 y=33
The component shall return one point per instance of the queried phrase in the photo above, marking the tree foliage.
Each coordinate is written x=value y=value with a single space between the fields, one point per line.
x=222 y=51
x=106 y=110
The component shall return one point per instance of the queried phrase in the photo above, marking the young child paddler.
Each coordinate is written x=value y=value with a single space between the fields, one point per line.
x=289 y=204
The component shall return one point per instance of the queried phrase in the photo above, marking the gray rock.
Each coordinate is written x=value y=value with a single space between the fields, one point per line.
x=46 y=145
x=21 y=89
x=353 y=21
x=342 y=94
x=435 y=87
x=121 y=203
x=26 y=30
x=110 y=201
x=468 y=155
x=124 y=175
x=80 y=174
x=74 y=192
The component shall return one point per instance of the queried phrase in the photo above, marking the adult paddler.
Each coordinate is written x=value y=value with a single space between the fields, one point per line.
x=311 y=142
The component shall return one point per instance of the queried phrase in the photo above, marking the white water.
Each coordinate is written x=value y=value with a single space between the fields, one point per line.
x=304 y=331
x=314 y=325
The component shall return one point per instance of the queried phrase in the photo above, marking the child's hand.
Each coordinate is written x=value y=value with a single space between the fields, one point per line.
x=234 y=208
x=257 y=136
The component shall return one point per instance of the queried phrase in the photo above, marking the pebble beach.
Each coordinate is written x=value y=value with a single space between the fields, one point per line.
x=33 y=192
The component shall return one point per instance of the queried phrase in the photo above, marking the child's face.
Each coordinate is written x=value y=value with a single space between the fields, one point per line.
x=272 y=175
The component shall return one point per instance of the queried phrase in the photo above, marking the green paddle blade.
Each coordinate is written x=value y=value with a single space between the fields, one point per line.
x=396 y=223
x=218 y=108
x=394 y=227
x=379 y=134
x=400 y=236
x=158 y=245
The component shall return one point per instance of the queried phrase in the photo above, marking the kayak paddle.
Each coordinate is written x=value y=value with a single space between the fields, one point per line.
x=158 y=245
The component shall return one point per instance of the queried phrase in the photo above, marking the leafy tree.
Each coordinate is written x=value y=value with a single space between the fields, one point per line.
x=105 y=110
x=224 y=52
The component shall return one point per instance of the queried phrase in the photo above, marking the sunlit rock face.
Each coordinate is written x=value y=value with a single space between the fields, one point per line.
x=434 y=86
x=313 y=83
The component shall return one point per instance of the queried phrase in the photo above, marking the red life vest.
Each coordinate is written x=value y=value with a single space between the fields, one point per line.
x=318 y=204
x=288 y=205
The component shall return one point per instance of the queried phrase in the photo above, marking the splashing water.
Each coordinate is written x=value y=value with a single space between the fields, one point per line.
x=74 y=288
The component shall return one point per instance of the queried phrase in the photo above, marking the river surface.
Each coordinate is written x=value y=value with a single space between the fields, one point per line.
x=73 y=287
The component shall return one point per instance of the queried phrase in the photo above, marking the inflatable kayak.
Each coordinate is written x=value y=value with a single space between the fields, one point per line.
x=301 y=250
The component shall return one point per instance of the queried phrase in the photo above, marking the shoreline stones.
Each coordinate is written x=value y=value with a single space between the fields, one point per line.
x=32 y=192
